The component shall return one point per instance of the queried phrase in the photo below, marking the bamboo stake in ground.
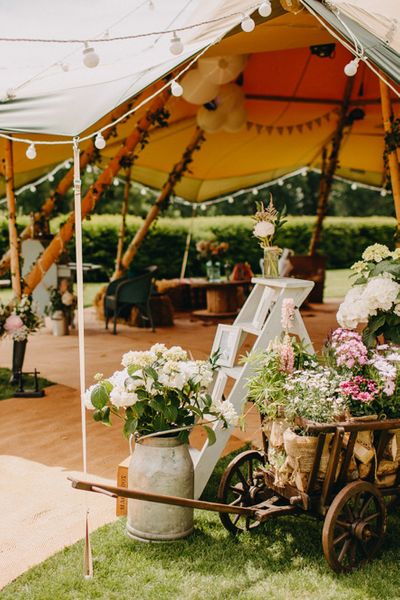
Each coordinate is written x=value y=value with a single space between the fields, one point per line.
x=387 y=115
x=122 y=229
x=62 y=188
x=162 y=200
x=327 y=176
x=12 y=223
x=57 y=245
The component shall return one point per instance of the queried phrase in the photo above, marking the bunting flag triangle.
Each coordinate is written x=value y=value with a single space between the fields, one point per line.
x=259 y=128
x=318 y=121
x=299 y=128
x=249 y=125
x=280 y=130
x=290 y=129
x=269 y=129
x=309 y=125
x=328 y=116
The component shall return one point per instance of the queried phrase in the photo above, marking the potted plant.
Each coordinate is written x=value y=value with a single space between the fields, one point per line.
x=374 y=299
x=159 y=394
x=212 y=252
x=61 y=309
x=18 y=320
x=268 y=222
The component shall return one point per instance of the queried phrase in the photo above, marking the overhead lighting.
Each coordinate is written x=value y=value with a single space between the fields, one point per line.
x=100 y=142
x=90 y=58
x=203 y=207
x=176 y=88
x=31 y=152
x=231 y=200
x=50 y=177
x=280 y=182
x=383 y=193
x=116 y=181
x=89 y=169
x=351 y=68
x=32 y=189
x=176 y=46
x=247 y=24
x=265 y=9
x=255 y=192
x=354 y=186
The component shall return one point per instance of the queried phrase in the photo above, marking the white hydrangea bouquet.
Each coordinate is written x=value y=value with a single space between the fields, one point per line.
x=160 y=391
x=374 y=299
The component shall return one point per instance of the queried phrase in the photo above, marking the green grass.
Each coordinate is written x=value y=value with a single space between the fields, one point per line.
x=280 y=561
x=89 y=292
x=7 y=390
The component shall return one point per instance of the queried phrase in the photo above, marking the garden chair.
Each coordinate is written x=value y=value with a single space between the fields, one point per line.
x=125 y=293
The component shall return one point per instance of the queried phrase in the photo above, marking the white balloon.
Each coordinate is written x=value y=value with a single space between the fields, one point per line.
x=230 y=96
x=235 y=120
x=222 y=69
x=197 y=89
x=210 y=120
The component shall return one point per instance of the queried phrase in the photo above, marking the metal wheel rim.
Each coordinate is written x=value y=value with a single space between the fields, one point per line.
x=354 y=526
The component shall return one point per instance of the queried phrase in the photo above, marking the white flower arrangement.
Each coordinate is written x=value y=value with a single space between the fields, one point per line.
x=159 y=390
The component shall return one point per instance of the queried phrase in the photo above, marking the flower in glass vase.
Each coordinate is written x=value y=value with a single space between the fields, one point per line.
x=159 y=391
x=268 y=221
x=212 y=252
x=19 y=318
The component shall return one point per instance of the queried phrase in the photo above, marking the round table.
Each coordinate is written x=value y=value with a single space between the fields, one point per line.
x=224 y=298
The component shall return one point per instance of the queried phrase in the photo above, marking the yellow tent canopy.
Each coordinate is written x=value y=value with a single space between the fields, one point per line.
x=292 y=97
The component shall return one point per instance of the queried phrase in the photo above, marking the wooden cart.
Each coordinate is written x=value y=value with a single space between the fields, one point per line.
x=354 y=513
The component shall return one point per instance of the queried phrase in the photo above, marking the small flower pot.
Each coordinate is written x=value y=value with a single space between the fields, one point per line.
x=58 y=323
x=160 y=465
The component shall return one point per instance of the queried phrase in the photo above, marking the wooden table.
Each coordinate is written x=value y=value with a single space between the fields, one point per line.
x=224 y=298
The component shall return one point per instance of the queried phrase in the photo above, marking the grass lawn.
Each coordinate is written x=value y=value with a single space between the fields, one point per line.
x=283 y=560
x=7 y=390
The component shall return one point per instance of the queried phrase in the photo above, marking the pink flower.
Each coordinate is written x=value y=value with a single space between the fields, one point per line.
x=286 y=357
x=287 y=313
x=13 y=323
x=364 y=397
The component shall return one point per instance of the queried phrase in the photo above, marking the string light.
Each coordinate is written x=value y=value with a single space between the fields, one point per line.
x=116 y=181
x=304 y=173
x=247 y=24
x=231 y=200
x=100 y=142
x=64 y=67
x=354 y=186
x=50 y=177
x=265 y=9
x=151 y=5
x=280 y=182
x=90 y=57
x=67 y=164
x=176 y=46
x=351 y=68
x=143 y=192
x=255 y=192
x=203 y=207
x=32 y=189
x=89 y=169
x=176 y=88
x=383 y=192
x=31 y=152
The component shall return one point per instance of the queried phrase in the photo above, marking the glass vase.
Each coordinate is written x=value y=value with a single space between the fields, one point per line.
x=271 y=262
x=213 y=270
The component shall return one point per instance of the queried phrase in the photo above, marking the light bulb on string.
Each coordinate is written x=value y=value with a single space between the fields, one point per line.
x=31 y=152
x=265 y=9
x=383 y=193
x=67 y=164
x=247 y=24
x=203 y=207
x=151 y=5
x=354 y=186
x=64 y=67
x=255 y=192
x=89 y=169
x=116 y=181
x=231 y=200
x=100 y=142
x=176 y=89
x=143 y=192
x=280 y=182
x=304 y=173
x=289 y=186
x=351 y=68
x=90 y=58
x=176 y=46
x=32 y=189
x=50 y=178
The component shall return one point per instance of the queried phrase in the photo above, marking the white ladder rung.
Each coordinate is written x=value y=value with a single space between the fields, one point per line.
x=233 y=372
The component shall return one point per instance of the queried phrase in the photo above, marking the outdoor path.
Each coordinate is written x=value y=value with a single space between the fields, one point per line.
x=40 y=439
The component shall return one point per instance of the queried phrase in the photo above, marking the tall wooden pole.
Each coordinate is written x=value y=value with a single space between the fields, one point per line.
x=12 y=222
x=173 y=178
x=387 y=115
x=122 y=229
x=62 y=188
x=327 y=176
x=57 y=245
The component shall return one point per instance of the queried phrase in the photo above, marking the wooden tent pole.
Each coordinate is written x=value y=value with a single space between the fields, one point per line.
x=63 y=186
x=12 y=222
x=187 y=245
x=57 y=245
x=122 y=229
x=328 y=173
x=173 y=178
x=387 y=115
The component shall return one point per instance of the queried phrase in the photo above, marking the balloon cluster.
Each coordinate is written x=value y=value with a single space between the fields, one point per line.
x=211 y=85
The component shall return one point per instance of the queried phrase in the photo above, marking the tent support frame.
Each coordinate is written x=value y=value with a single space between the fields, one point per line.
x=12 y=224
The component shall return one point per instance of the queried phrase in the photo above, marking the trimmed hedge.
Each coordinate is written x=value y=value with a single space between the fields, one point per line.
x=343 y=240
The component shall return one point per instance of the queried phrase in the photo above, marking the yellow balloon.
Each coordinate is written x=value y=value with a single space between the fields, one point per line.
x=210 y=120
x=222 y=69
x=230 y=96
x=197 y=89
x=235 y=120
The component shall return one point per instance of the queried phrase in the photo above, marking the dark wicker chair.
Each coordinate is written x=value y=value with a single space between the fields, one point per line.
x=125 y=293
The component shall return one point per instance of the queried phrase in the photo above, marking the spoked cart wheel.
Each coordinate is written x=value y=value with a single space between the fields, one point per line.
x=354 y=526
x=242 y=484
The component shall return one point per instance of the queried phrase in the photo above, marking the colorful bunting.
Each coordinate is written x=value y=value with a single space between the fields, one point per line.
x=280 y=129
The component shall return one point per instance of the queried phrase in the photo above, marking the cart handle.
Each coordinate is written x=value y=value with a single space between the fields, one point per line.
x=373 y=425
x=114 y=492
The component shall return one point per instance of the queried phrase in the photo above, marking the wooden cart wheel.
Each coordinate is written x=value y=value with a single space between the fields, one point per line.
x=354 y=526
x=242 y=484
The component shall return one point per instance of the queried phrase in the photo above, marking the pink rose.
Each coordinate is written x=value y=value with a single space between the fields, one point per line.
x=13 y=323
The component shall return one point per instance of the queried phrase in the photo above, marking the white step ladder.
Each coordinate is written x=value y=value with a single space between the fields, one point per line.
x=259 y=316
